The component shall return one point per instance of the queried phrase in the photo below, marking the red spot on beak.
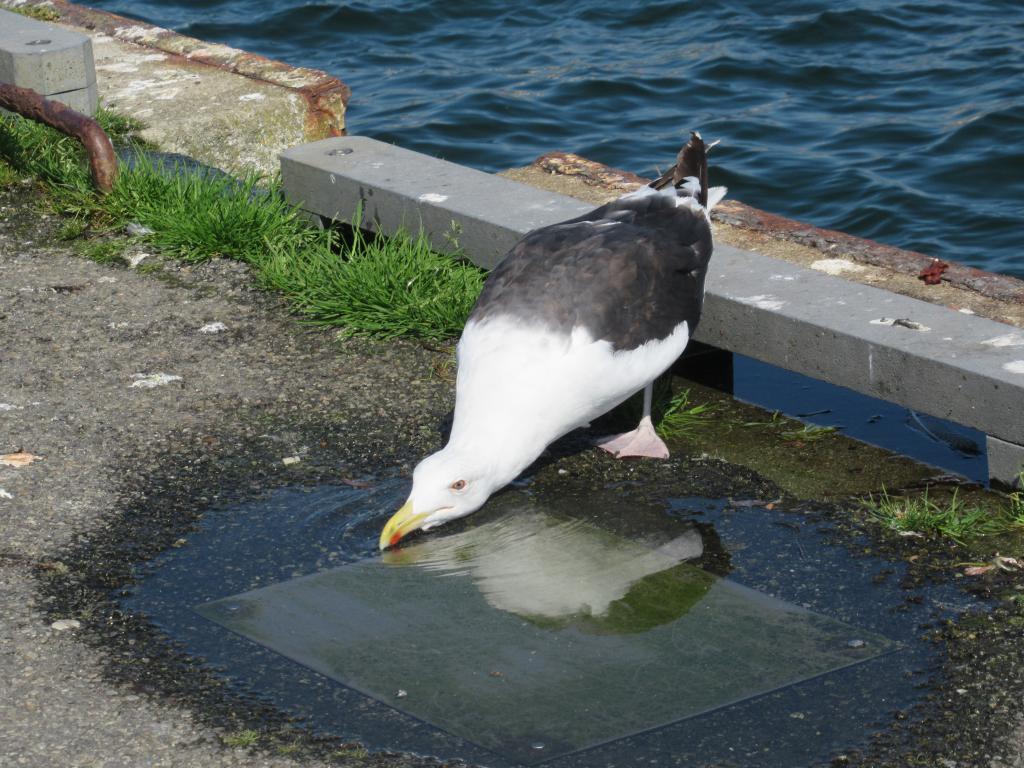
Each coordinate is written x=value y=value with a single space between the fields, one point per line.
x=395 y=539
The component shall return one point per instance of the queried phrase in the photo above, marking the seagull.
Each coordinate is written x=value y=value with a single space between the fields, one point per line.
x=577 y=317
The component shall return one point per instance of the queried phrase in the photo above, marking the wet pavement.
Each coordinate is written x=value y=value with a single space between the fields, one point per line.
x=130 y=475
x=75 y=334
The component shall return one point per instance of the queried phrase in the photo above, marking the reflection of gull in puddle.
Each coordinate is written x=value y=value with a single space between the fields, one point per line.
x=556 y=572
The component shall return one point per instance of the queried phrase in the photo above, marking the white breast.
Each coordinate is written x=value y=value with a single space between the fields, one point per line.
x=523 y=387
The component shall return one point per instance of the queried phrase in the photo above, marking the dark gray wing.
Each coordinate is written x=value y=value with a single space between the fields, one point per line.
x=628 y=272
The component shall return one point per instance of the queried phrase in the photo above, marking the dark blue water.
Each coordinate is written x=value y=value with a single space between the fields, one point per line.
x=898 y=121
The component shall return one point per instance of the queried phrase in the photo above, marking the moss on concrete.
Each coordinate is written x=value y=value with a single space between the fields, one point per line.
x=807 y=465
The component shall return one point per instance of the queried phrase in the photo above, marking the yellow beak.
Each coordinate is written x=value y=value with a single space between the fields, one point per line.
x=402 y=523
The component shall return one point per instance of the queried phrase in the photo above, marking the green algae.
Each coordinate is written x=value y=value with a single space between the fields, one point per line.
x=804 y=462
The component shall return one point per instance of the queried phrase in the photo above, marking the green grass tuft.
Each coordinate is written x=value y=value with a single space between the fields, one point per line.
x=953 y=518
x=371 y=285
x=674 y=416
x=72 y=229
x=150 y=268
x=1016 y=503
x=8 y=174
x=776 y=420
x=198 y=218
x=123 y=130
x=104 y=251
x=355 y=752
x=39 y=12
x=681 y=419
x=245 y=738
x=32 y=148
x=809 y=433
x=377 y=286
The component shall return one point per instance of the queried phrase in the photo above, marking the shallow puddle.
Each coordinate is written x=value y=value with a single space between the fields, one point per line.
x=536 y=636
x=567 y=628
x=933 y=441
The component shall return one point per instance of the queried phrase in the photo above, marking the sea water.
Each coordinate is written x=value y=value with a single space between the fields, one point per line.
x=898 y=121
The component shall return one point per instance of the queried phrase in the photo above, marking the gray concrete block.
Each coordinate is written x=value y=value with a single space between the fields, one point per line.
x=46 y=58
x=1005 y=462
x=400 y=188
x=960 y=367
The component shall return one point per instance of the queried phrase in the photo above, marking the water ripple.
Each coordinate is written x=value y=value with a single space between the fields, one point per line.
x=900 y=121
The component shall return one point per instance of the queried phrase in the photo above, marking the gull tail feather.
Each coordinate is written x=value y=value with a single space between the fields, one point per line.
x=690 y=173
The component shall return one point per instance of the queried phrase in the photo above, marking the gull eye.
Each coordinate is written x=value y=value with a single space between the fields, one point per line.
x=458 y=485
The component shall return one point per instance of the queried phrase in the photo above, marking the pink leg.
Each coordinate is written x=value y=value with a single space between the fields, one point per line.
x=642 y=441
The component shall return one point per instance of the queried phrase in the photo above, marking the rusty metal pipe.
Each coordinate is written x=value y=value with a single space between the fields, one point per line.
x=102 y=160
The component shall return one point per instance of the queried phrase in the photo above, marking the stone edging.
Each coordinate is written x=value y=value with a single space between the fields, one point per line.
x=325 y=95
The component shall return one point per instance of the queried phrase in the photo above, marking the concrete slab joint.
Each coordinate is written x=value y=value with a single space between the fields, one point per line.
x=55 y=62
x=1005 y=462
x=964 y=368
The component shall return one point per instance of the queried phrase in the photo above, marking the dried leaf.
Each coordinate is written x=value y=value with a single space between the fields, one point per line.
x=19 y=459
x=978 y=570
x=932 y=274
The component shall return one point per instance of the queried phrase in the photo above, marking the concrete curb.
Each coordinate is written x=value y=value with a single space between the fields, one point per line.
x=397 y=188
x=326 y=96
x=960 y=367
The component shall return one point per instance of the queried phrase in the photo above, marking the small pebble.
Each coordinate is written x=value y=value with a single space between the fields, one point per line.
x=213 y=328
x=855 y=644
x=289 y=460
x=401 y=694
x=62 y=625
